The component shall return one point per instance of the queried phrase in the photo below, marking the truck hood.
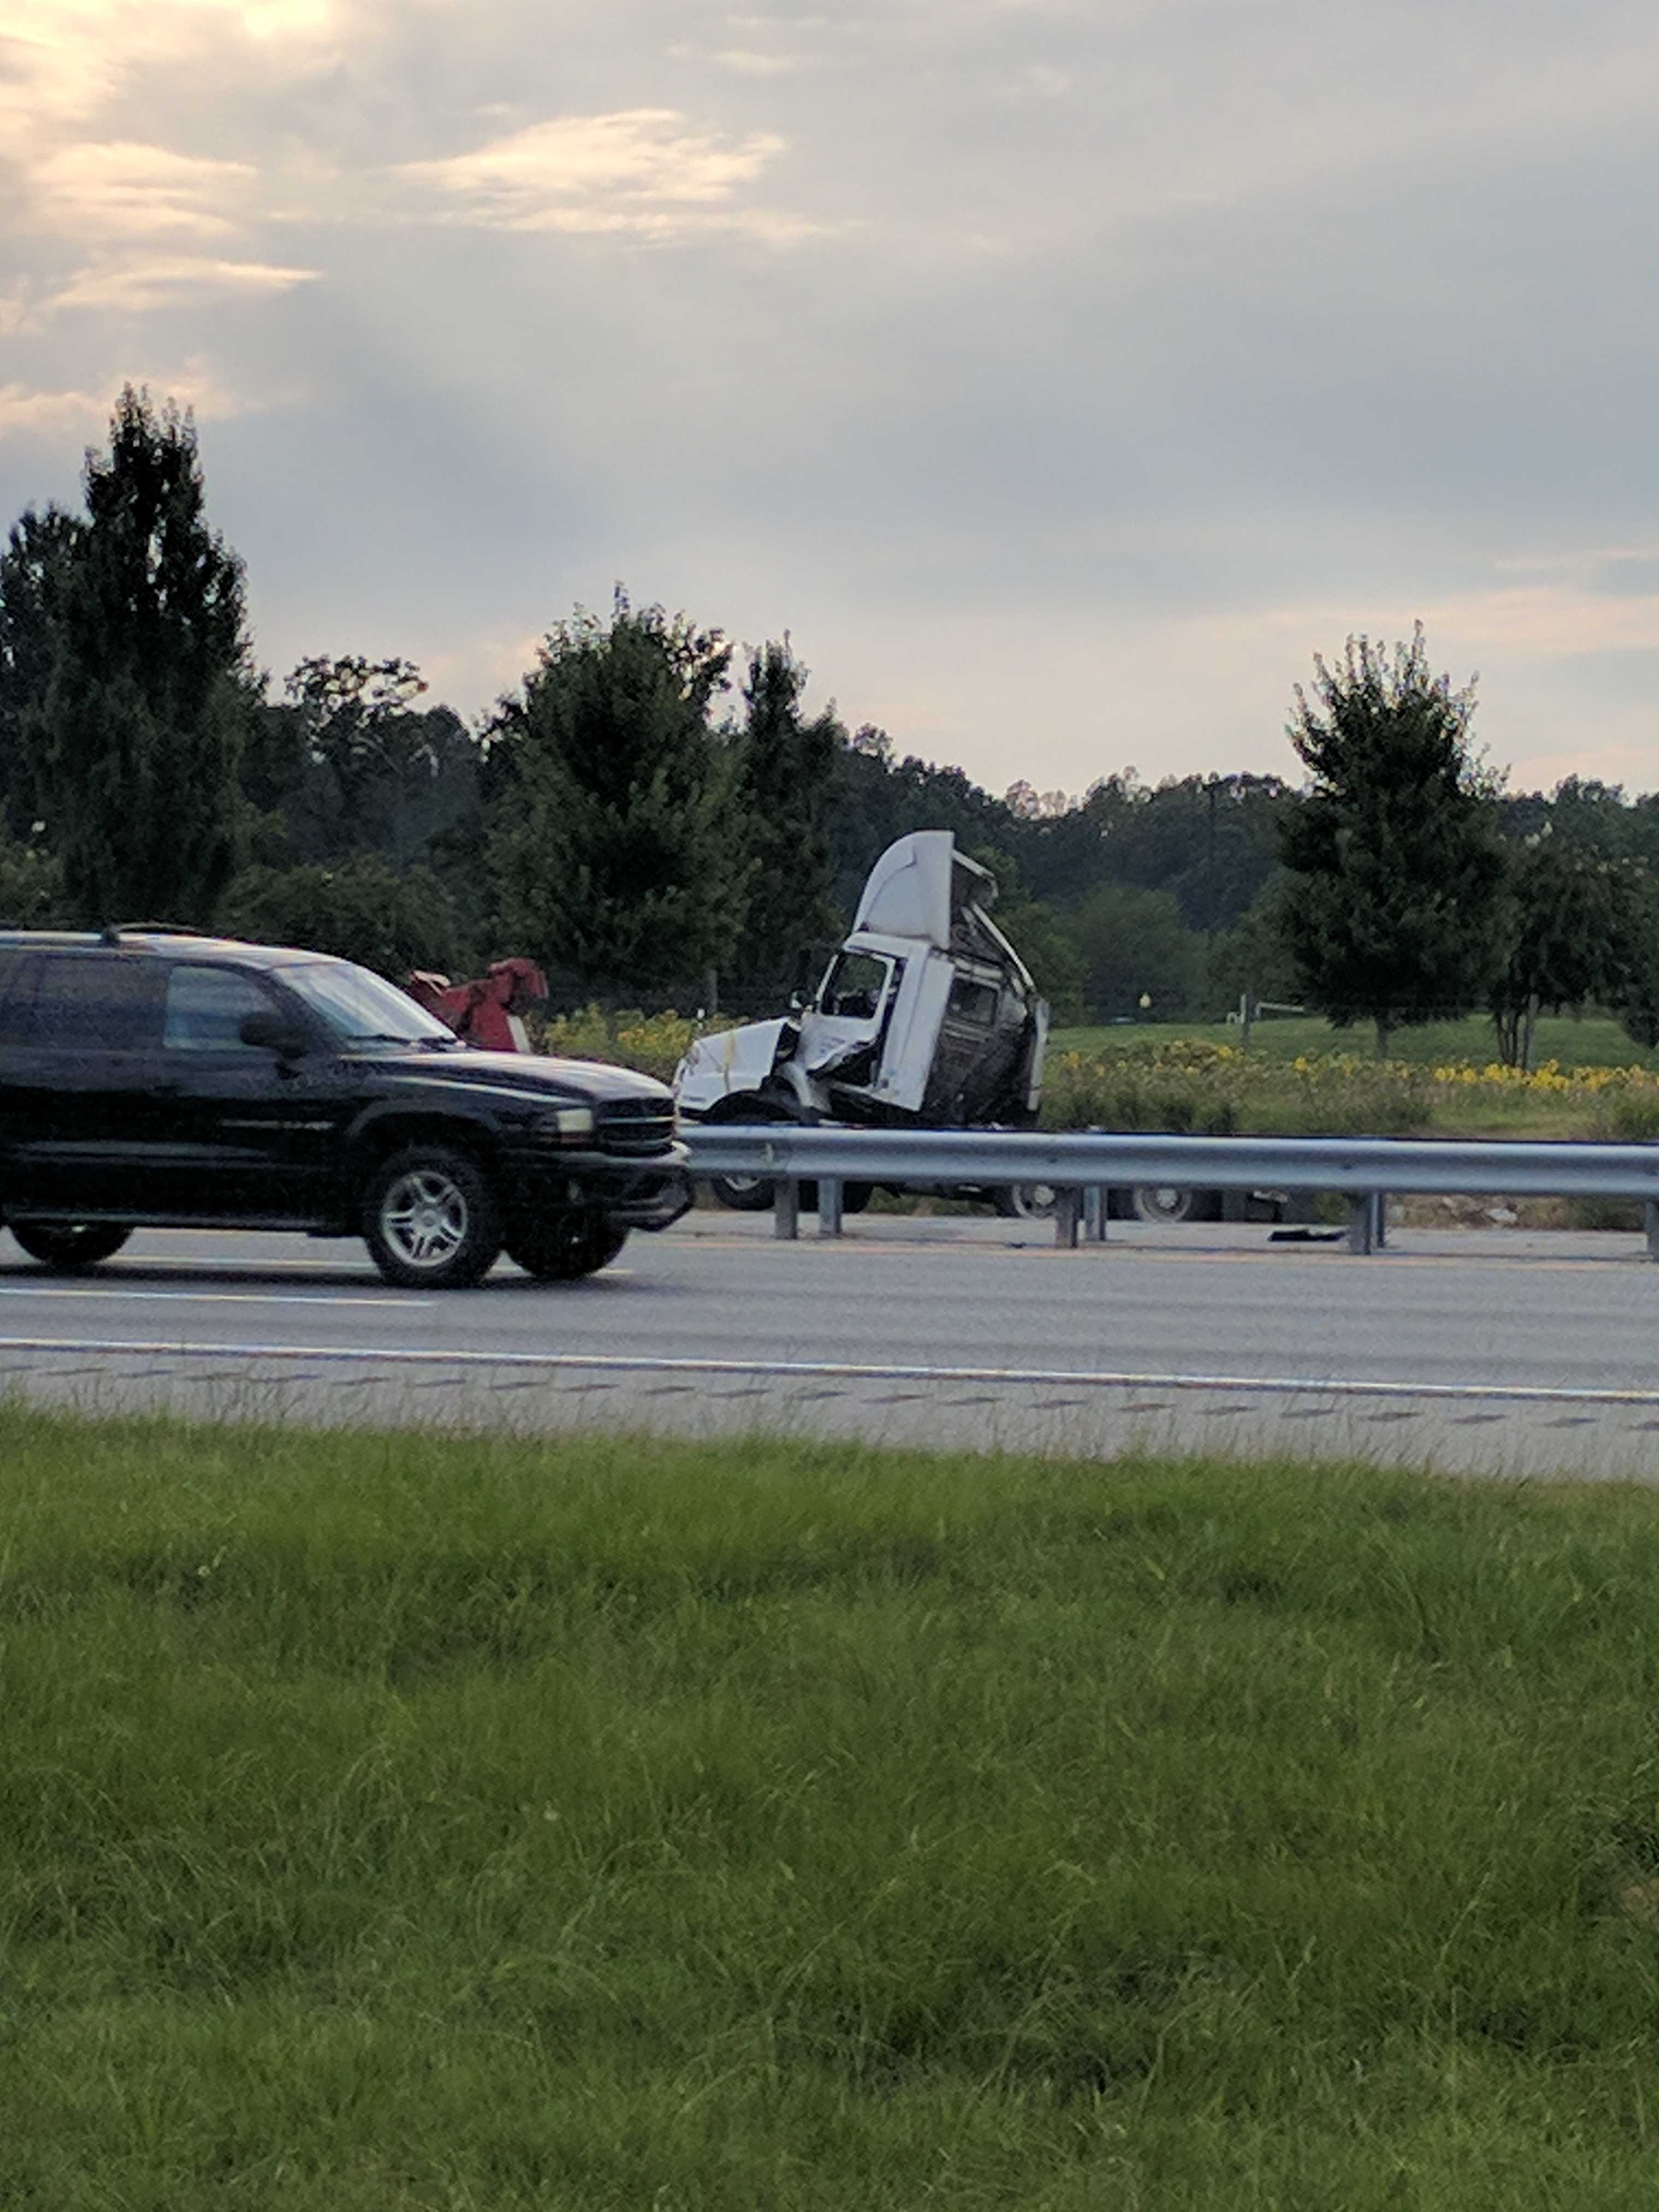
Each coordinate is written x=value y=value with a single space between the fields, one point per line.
x=588 y=1081
x=730 y=1060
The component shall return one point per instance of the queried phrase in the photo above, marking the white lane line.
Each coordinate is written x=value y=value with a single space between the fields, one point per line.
x=217 y=1298
x=818 y=1370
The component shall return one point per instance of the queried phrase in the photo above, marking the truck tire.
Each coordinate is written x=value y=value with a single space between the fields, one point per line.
x=67 y=1247
x=430 y=1219
x=566 y=1249
x=1027 y=1201
x=1173 y=1203
x=742 y=1194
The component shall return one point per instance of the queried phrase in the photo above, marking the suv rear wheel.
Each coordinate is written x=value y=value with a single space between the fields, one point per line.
x=68 y=1246
x=430 y=1219
x=567 y=1248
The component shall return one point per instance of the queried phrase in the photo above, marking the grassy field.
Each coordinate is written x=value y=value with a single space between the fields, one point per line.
x=394 y=1823
x=1292 y=1083
x=1300 y=1077
x=1594 y=1041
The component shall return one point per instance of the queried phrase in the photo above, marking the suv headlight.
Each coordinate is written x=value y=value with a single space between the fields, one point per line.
x=566 y=1125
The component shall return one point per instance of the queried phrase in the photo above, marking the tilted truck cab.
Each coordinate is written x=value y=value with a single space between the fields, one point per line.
x=925 y=1017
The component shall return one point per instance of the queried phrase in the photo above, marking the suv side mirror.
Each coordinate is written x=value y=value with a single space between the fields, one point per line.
x=273 y=1034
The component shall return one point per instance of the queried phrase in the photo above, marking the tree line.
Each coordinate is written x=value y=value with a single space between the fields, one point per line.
x=656 y=816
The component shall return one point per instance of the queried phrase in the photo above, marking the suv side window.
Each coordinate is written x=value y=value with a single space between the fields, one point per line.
x=207 y=1006
x=89 y=1002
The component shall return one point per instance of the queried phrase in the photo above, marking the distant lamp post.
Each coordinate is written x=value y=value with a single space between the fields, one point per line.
x=1145 y=1004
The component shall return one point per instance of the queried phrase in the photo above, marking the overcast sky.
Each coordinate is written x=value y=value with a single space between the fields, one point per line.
x=1061 y=376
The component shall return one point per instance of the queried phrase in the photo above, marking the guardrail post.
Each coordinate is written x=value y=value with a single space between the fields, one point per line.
x=786 y=1207
x=1066 y=1211
x=830 y=1190
x=1094 y=1214
x=1650 y=1218
x=1362 y=1221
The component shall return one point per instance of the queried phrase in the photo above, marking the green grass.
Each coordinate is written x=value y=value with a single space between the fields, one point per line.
x=396 y=1822
x=1594 y=1041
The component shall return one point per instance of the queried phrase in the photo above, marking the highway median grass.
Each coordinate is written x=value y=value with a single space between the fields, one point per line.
x=405 y=1821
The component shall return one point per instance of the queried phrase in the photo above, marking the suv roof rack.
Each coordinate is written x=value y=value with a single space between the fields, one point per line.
x=113 y=932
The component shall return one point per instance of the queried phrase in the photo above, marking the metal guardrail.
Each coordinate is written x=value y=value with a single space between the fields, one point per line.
x=1083 y=1168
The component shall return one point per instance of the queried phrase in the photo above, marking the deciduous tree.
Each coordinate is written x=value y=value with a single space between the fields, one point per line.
x=1393 y=912
x=356 y=766
x=616 y=853
x=31 y=887
x=1570 y=922
x=1133 y=944
x=387 y=918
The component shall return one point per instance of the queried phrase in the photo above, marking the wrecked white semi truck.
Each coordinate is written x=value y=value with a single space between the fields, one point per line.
x=925 y=1018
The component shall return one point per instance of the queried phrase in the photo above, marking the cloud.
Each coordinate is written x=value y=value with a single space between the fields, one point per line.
x=138 y=190
x=1145 y=346
x=1626 y=576
x=1546 y=622
x=61 y=61
x=746 y=61
x=640 y=170
x=1038 y=81
x=195 y=383
x=49 y=414
x=112 y=193
x=135 y=286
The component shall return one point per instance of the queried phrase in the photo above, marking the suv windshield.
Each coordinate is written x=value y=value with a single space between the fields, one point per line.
x=363 y=1008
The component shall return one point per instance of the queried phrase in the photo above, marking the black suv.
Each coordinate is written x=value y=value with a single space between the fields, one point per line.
x=151 y=1076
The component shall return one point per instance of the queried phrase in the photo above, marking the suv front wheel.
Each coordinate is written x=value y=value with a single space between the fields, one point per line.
x=431 y=1220
x=567 y=1248
x=66 y=1247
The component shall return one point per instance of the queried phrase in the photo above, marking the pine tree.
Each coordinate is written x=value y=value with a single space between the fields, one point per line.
x=1394 y=911
x=785 y=787
x=33 y=571
x=136 y=740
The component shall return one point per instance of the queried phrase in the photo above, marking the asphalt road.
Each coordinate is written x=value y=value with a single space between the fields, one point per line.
x=1500 y=1351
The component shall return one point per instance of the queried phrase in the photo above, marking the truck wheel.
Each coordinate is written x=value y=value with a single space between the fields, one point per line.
x=1171 y=1202
x=66 y=1247
x=430 y=1219
x=1027 y=1201
x=742 y=1194
x=564 y=1249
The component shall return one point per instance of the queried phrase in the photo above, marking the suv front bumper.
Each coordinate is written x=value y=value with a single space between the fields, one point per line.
x=632 y=1194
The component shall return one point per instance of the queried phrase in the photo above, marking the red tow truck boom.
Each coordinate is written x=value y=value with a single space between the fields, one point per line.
x=490 y=1009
